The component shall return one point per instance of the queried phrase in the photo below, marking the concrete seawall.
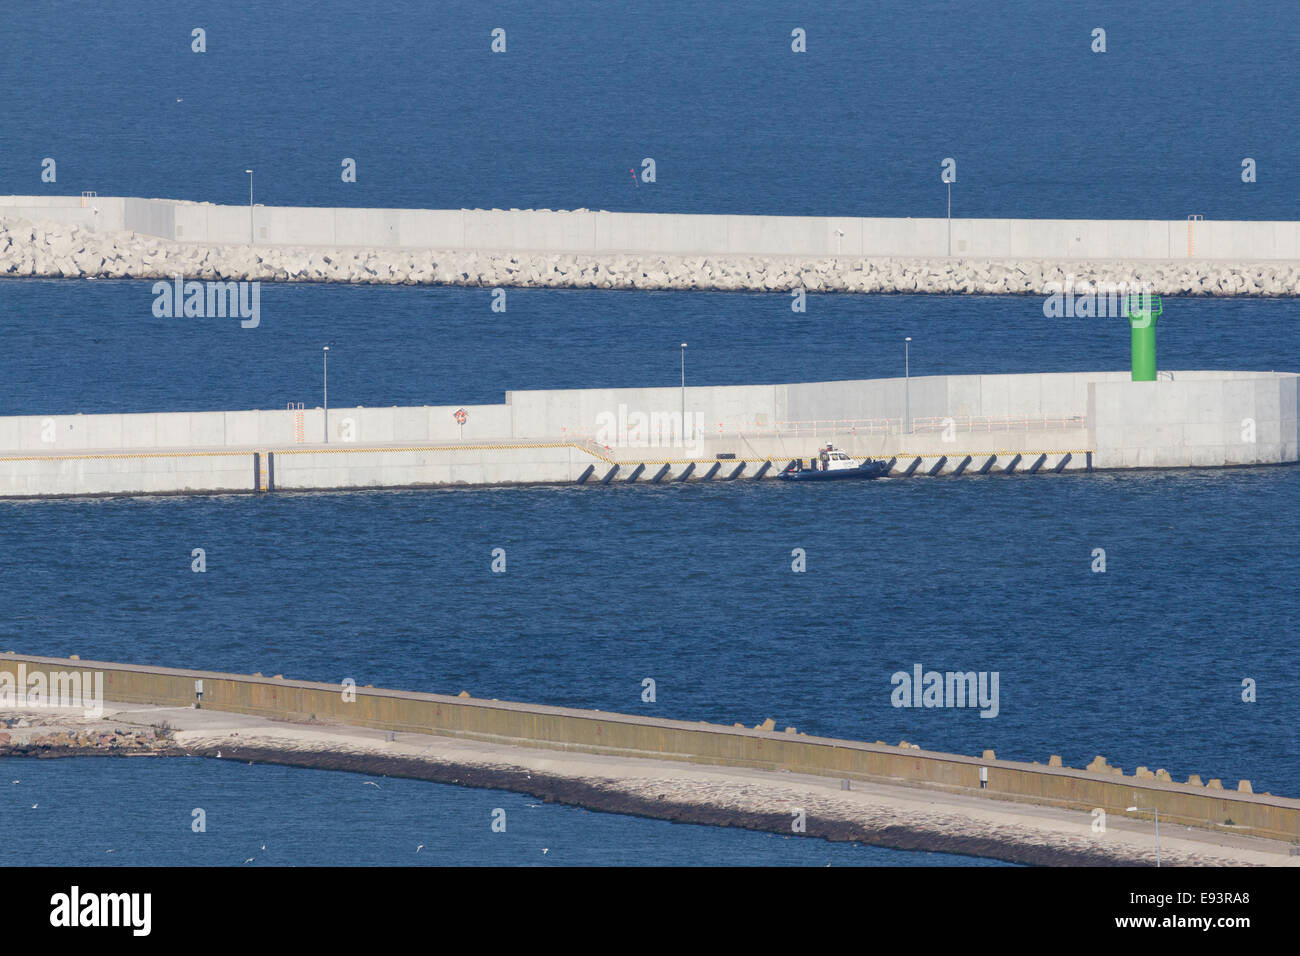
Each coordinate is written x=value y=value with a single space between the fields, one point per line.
x=160 y=239
x=598 y=232
x=595 y=732
x=961 y=424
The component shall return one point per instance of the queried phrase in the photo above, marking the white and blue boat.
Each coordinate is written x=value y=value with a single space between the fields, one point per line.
x=833 y=464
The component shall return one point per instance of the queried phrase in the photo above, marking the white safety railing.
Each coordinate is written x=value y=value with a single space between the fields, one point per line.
x=816 y=427
x=989 y=424
x=896 y=426
x=833 y=427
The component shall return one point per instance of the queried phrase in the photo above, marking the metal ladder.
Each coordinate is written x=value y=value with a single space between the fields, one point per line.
x=299 y=429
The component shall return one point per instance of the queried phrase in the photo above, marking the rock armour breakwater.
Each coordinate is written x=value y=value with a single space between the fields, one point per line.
x=52 y=250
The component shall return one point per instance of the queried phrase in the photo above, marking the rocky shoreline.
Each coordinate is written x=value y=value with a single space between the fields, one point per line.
x=50 y=250
x=46 y=735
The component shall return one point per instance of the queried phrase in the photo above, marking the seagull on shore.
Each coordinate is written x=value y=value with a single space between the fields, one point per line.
x=249 y=860
x=419 y=848
x=35 y=805
x=545 y=850
x=372 y=783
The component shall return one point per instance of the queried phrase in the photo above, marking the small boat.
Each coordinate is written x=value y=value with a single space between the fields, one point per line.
x=833 y=464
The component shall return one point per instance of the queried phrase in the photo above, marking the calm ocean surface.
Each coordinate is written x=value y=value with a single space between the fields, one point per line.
x=689 y=585
x=284 y=816
x=68 y=347
x=1040 y=126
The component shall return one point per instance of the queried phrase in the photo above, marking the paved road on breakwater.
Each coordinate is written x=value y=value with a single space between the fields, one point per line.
x=748 y=773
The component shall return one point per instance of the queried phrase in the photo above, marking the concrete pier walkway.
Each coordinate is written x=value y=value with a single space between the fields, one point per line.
x=900 y=796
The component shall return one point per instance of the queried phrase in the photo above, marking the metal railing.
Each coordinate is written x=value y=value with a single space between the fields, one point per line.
x=832 y=427
x=984 y=423
x=896 y=426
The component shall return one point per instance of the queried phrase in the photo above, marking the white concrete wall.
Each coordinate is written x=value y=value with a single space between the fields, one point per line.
x=552 y=415
x=670 y=233
x=412 y=424
x=248 y=429
x=100 y=212
x=153 y=217
x=544 y=414
x=362 y=468
x=568 y=412
x=126 y=475
x=1194 y=421
x=1187 y=419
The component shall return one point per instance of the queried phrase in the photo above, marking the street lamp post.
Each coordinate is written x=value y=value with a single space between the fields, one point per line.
x=250 y=206
x=325 y=383
x=1157 y=815
x=683 y=392
x=907 y=385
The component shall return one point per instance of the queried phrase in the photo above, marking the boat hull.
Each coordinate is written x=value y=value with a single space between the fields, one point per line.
x=867 y=470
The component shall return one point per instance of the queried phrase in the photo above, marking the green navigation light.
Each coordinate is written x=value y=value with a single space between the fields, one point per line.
x=1143 y=310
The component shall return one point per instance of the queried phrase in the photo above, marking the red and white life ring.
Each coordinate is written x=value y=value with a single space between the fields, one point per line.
x=462 y=416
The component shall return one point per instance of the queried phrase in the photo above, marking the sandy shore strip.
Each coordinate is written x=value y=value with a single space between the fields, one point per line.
x=899 y=817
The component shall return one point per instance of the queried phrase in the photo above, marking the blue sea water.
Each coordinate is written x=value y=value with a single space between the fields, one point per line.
x=287 y=816
x=68 y=347
x=1154 y=128
x=693 y=587
x=689 y=585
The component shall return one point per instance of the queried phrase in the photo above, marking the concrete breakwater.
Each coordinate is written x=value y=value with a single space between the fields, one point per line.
x=931 y=425
x=736 y=755
x=64 y=250
x=871 y=813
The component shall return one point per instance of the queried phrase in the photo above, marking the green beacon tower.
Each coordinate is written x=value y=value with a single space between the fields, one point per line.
x=1143 y=310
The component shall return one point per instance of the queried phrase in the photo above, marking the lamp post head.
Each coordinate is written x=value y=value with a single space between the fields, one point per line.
x=683 y=345
x=249 y=171
x=327 y=348
x=908 y=339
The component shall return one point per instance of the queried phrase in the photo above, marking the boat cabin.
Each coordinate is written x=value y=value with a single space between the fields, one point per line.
x=829 y=458
x=833 y=459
